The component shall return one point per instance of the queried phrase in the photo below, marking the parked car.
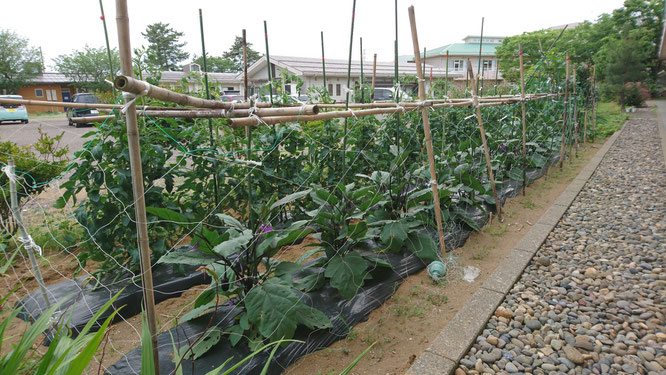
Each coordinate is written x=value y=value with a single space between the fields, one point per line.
x=82 y=112
x=13 y=112
x=388 y=93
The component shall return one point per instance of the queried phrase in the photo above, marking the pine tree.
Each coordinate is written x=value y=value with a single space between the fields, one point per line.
x=164 y=49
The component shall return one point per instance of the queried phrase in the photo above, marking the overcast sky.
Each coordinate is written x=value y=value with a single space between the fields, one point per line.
x=293 y=25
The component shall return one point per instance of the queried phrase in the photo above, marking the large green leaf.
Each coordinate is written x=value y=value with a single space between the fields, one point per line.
x=193 y=259
x=290 y=198
x=346 y=273
x=422 y=246
x=232 y=222
x=276 y=310
x=233 y=245
x=167 y=214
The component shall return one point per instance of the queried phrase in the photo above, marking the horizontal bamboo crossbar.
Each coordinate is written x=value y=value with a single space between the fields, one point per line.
x=310 y=109
x=143 y=88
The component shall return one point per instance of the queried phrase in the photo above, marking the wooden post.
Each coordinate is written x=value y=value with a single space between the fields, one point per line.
x=594 y=103
x=374 y=76
x=248 y=135
x=428 y=137
x=522 y=107
x=479 y=72
x=470 y=72
x=125 y=49
x=566 y=112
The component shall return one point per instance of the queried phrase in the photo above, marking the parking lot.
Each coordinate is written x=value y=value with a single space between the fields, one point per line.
x=27 y=134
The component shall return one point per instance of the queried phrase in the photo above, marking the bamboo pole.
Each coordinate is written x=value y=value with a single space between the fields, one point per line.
x=210 y=123
x=594 y=103
x=351 y=45
x=122 y=21
x=374 y=76
x=396 y=80
x=587 y=103
x=498 y=207
x=323 y=61
x=127 y=83
x=446 y=79
x=478 y=71
x=248 y=130
x=428 y=139
x=362 y=90
x=522 y=107
x=268 y=65
x=566 y=112
x=575 y=113
x=108 y=48
x=25 y=237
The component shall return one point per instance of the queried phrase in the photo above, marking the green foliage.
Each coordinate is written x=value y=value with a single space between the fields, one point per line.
x=65 y=355
x=216 y=64
x=235 y=54
x=88 y=68
x=165 y=50
x=19 y=62
x=610 y=118
x=34 y=169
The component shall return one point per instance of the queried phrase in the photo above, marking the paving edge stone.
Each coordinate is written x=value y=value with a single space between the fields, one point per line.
x=459 y=334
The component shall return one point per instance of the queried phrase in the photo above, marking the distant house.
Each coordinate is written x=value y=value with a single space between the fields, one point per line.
x=48 y=86
x=192 y=77
x=311 y=72
x=459 y=53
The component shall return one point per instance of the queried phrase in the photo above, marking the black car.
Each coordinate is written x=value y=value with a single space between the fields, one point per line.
x=82 y=112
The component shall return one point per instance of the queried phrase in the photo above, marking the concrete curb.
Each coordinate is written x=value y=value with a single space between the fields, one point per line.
x=459 y=334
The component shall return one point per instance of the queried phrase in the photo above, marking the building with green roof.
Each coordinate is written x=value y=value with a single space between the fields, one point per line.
x=457 y=55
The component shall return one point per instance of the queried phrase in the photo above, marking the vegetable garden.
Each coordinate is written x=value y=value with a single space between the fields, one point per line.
x=226 y=197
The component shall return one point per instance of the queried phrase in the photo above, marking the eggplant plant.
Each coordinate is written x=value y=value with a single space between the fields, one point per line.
x=340 y=216
x=246 y=276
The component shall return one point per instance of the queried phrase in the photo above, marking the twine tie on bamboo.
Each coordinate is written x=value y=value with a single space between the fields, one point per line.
x=29 y=243
x=258 y=119
x=8 y=171
x=131 y=98
x=348 y=90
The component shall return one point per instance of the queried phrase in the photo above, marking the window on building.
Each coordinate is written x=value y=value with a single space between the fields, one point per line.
x=287 y=88
x=458 y=65
x=39 y=93
x=52 y=95
x=487 y=64
x=230 y=89
x=338 y=90
x=330 y=89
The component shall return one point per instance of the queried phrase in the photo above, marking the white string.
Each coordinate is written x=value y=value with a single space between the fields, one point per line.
x=132 y=97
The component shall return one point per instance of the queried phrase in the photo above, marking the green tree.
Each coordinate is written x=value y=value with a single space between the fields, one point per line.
x=89 y=68
x=216 y=64
x=235 y=54
x=624 y=61
x=19 y=62
x=164 y=49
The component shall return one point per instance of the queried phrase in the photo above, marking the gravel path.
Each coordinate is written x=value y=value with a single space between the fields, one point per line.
x=593 y=299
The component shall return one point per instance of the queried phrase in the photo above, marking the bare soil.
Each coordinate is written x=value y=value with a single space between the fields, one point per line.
x=402 y=328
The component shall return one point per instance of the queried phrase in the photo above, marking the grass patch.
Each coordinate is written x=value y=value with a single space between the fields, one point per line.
x=609 y=119
x=497 y=229
x=527 y=203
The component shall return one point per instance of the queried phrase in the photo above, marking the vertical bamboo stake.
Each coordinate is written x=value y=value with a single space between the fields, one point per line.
x=351 y=45
x=374 y=76
x=566 y=112
x=396 y=83
x=446 y=77
x=496 y=76
x=587 y=103
x=362 y=90
x=248 y=135
x=522 y=107
x=426 y=129
x=323 y=61
x=210 y=122
x=575 y=113
x=122 y=22
x=478 y=71
x=27 y=243
x=268 y=64
x=432 y=93
x=108 y=48
x=594 y=103
x=470 y=71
